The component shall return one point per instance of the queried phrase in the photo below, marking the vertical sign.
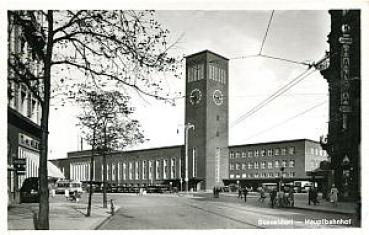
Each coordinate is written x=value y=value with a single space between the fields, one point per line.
x=345 y=40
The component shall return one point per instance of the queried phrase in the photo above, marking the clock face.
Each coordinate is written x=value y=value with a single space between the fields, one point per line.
x=195 y=96
x=218 y=97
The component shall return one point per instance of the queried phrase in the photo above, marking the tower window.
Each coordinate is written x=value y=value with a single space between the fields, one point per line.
x=217 y=117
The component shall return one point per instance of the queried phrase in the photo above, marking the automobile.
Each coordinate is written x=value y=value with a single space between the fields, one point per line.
x=29 y=192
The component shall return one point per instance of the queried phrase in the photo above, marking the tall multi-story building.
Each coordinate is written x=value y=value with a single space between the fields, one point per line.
x=209 y=163
x=343 y=76
x=24 y=109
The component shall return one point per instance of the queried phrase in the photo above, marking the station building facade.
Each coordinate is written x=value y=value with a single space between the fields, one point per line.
x=210 y=160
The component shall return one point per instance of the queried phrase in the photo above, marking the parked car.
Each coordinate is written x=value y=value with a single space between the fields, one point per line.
x=29 y=192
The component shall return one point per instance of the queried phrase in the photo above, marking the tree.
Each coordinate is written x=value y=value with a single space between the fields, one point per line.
x=105 y=122
x=102 y=47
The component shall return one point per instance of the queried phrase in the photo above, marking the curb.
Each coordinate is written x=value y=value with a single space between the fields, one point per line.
x=324 y=210
x=96 y=227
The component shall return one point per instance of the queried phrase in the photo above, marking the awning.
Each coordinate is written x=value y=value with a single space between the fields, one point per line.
x=53 y=171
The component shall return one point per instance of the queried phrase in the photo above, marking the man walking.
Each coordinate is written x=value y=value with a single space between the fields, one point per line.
x=273 y=195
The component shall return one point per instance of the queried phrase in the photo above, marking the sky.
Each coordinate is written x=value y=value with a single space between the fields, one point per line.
x=302 y=112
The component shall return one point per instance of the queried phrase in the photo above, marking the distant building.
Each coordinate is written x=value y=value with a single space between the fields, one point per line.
x=254 y=164
x=211 y=162
x=24 y=110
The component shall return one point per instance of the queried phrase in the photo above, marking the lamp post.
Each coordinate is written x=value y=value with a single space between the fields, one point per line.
x=187 y=127
x=281 y=182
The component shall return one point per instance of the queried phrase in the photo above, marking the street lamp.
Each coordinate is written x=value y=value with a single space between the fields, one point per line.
x=187 y=127
x=281 y=182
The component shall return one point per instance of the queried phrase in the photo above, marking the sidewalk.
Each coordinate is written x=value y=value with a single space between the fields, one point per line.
x=301 y=202
x=63 y=216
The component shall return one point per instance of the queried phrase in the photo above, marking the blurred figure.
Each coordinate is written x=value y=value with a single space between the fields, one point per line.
x=334 y=195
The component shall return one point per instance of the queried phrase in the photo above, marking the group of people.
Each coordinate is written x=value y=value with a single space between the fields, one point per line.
x=242 y=192
x=281 y=198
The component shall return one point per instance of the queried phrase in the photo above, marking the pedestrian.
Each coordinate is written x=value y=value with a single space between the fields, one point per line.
x=311 y=196
x=291 y=198
x=66 y=193
x=245 y=192
x=239 y=192
x=262 y=195
x=273 y=195
x=334 y=195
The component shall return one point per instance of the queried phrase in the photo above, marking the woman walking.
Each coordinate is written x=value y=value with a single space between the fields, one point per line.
x=334 y=195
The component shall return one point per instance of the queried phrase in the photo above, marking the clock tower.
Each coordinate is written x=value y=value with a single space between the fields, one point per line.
x=207 y=110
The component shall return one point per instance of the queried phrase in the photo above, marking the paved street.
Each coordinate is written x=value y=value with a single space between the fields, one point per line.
x=205 y=212
x=174 y=211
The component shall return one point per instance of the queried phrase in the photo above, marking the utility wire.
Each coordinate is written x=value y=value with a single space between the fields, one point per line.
x=285 y=60
x=266 y=32
x=285 y=121
x=275 y=95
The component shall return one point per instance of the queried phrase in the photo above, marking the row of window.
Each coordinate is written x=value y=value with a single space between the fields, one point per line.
x=263 y=175
x=142 y=170
x=196 y=72
x=262 y=153
x=217 y=74
x=318 y=152
x=263 y=165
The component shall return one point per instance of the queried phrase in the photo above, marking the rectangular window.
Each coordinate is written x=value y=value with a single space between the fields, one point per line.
x=270 y=165
x=276 y=152
x=277 y=174
x=173 y=168
x=144 y=176
x=292 y=174
x=264 y=175
x=249 y=153
x=270 y=152
x=124 y=171
x=292 y=163
x=238 y=155
x=130 y=171
x=238 y=176
x=165 y=169
x=119 y=172
x=270 y=174
x=244 y=175
x=284 y=163
x=151 y=170
x=312 y=151
x=137 y=172
x=256 y=153
x=157 y=169
x=283 y=151
x=249 y=165
x=238 y=166
x=256 y=165
x=243 y=154
x=231 y=176
x=263 y=165
x=231 y=155
x=256 y=175
x=113 y=175
x=263 y=152
x=231 y=167
x=243 y=166
x=291 y=150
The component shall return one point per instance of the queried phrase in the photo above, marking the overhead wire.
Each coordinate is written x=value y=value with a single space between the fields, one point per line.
x=266 y=33
x=286 y=120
